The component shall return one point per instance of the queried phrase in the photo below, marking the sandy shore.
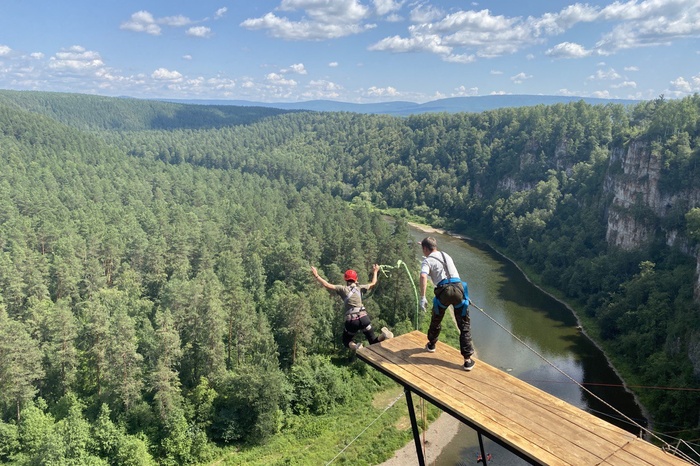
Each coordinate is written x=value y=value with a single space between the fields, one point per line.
x=438 y=435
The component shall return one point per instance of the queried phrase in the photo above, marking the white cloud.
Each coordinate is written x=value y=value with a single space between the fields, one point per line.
x=520 y=78
x=480 y=33
x=568 y=50
x=462 y=91
x=453 y=34
x=175 y=21
x=142 y=21
x=219 y=83
x=321 y=20
x=220 y=13
x=382 y=92
x=297 y=68
x=625 y=84
x=425 y=14
x=36 y=55
x=333 y=64
x=199 y=31
x=496 y=72
x=279 y=80
x=4 y=50
x=567 y=92
x=649 y=22
x=322 y=89
x=680 y=85
x=387 y=6
x=601 y=75
x=601 y=94
x=187 y=57
x=163 y=74
x=631 y=68
x=417 y=43
x=75 y=58
x=459 y=58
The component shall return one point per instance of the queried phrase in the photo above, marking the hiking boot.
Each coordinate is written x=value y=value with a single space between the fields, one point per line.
x=386 y=333
x=468 y=364
x=430 y=347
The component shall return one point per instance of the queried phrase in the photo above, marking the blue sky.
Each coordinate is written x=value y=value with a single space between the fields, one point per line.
x=351 y=50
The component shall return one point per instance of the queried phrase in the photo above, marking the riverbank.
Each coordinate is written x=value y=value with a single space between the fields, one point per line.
x=437 y=436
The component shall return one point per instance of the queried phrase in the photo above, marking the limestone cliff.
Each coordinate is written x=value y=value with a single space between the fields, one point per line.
x=638 y=208
x=639 y=204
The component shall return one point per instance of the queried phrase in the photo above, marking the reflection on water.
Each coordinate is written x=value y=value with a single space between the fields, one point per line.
x=546 y=326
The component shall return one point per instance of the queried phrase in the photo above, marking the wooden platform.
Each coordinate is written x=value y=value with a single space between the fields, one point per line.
x=533 y=424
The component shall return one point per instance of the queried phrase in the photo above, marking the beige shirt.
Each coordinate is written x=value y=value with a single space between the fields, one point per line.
x=352 y=299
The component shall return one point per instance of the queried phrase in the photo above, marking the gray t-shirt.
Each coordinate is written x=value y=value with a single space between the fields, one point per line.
x=433 y=267
x=352 y=299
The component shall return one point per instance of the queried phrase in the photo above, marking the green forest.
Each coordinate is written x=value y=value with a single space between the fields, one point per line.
x=156 y=301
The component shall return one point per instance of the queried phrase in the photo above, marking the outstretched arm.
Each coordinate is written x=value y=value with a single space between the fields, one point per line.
x=321 y=280
x=375 y=269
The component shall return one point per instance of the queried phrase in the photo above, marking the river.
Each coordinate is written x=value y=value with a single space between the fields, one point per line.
x=498 y=287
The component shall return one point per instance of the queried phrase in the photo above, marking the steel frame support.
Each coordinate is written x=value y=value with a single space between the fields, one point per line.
x=414 y=426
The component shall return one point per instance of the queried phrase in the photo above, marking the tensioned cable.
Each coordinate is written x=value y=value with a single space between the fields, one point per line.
x=363 y=430
x=667 y=445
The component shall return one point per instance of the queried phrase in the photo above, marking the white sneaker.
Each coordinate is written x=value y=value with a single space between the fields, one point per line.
x=387 y=333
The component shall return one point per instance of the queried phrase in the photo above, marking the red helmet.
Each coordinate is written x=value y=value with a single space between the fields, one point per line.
x=350 y=275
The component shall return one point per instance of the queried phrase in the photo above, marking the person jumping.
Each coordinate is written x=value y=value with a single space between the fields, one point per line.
x=356 y=317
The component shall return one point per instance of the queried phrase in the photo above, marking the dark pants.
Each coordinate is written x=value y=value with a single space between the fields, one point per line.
x=463 y=324
x=353 y=326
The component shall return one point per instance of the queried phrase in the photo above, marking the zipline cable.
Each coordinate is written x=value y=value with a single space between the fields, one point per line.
x=363 y=430
x=667 y=446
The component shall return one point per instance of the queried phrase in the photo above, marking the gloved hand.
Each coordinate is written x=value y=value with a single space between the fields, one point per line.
x=423 y=303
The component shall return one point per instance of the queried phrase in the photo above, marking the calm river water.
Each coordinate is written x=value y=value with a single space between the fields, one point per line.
x=546 y=325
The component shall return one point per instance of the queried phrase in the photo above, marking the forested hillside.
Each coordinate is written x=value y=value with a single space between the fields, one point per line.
x=142 y=234
x=149 y=309
x=95 y=112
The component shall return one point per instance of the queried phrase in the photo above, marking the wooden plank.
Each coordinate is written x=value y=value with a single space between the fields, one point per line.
x=509 y=412
x=530 y=422
x=483 y=417
x=561 y=435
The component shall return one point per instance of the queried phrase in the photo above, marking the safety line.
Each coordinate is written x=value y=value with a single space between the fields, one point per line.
x=597 y=384
x=667 y=445
x=398 y=265
x=363 y=430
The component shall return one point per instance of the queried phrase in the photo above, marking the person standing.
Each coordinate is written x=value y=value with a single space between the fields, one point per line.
x=356 y=317
x=449 y=290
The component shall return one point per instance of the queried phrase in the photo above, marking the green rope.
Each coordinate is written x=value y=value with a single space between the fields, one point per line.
x=384 y=268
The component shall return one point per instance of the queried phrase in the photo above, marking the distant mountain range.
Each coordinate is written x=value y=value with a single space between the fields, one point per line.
x=402 y=108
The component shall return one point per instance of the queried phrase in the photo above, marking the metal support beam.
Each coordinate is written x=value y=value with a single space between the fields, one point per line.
x=481 y=447
x=414 y=426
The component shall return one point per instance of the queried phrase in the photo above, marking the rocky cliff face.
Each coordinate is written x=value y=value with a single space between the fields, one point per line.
x=639 y=205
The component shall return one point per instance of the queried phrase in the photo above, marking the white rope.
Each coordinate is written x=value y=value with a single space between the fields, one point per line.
x=667 y=446
x=363 y=430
